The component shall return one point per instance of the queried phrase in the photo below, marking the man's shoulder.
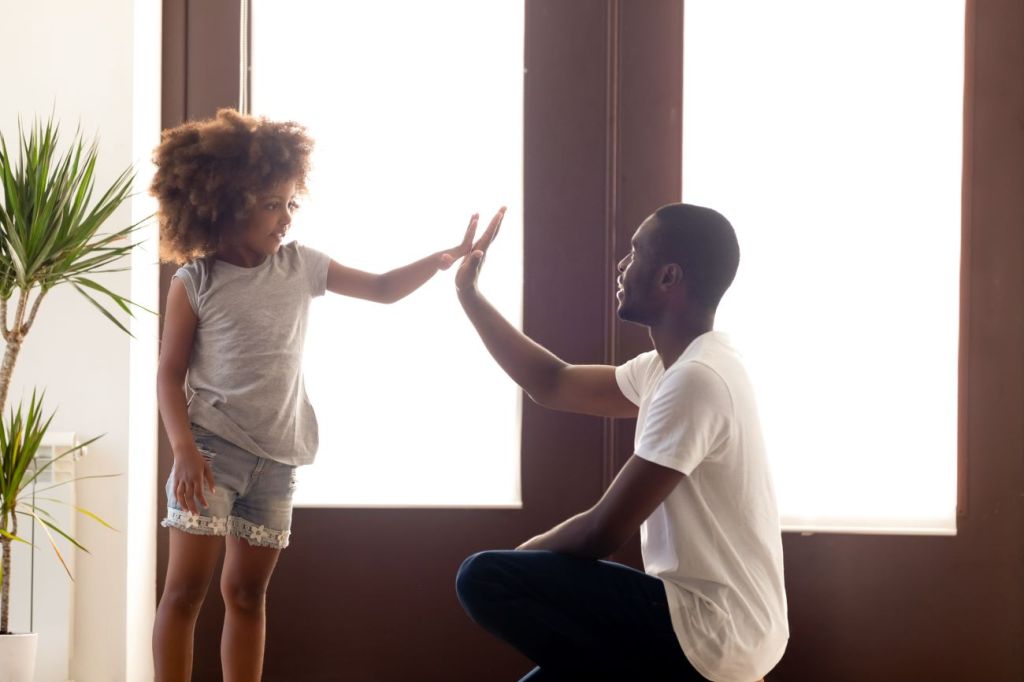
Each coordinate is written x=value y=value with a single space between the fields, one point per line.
x=645 y=359
x=696 y=376
x=644 y=367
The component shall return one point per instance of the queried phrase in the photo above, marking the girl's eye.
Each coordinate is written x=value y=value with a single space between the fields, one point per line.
x=272 y=206
x=293 y=205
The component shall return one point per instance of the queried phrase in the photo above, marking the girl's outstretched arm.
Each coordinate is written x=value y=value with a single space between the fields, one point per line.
x=398 y=283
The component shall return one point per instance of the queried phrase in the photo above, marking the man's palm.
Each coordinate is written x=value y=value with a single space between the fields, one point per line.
x=469 y=269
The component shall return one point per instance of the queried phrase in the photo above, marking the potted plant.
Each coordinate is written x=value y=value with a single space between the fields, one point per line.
x=49 y=235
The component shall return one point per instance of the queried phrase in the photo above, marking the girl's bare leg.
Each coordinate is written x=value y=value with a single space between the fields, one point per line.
x=243 y=584
x=191 y=561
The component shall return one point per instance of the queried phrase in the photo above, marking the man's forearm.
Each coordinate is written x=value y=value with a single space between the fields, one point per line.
x=576 y=536
x=529 y=364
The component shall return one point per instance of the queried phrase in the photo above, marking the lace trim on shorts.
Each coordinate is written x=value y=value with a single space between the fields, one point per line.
x=258 y=536
x=194 y=523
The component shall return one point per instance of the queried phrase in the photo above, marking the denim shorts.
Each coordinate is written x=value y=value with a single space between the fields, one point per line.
x=253 y=499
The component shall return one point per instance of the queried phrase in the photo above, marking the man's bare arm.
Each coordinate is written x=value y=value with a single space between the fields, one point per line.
x=637 y=490
x=546 y=378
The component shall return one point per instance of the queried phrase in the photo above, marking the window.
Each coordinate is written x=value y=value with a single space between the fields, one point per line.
x=831 y=136
x=415 y=130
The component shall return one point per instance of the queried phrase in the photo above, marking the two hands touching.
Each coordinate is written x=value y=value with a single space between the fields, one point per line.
x=472 y=253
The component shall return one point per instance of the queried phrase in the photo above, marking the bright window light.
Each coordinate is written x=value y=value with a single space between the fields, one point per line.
x=416 y=108
x=830 y=134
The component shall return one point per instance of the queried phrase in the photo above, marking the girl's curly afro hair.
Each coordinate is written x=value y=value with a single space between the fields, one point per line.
x=210 y=173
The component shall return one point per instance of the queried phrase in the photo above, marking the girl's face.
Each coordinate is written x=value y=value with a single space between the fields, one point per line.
x=268 y=222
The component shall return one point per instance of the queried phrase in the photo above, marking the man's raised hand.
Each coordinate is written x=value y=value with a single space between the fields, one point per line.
x=469 y=270
x=455 y=253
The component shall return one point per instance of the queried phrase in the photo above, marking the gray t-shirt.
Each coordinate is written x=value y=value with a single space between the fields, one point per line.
x=245 y=379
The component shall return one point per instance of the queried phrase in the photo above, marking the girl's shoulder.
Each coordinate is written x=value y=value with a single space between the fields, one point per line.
x=307 y=264
x=195 y=266
x=300 y=257
x=195 y=275
x=196 y=270
x=296 y=249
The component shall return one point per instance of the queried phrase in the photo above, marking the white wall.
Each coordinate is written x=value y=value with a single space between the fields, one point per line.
x=97 y=63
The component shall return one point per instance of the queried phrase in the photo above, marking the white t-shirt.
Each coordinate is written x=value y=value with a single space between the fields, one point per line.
x=715 y=542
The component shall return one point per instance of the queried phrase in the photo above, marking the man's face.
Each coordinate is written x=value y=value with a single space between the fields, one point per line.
x=637 y=275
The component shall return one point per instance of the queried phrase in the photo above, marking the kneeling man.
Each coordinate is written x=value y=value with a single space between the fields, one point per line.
x=711 y=602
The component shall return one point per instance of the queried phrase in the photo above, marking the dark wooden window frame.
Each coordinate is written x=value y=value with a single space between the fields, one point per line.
x=602 y=148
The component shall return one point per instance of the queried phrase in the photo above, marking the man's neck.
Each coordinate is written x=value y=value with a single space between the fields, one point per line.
x=672 y=337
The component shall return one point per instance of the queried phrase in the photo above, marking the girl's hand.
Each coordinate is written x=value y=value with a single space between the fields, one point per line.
x=191 y=471
x=465 y=278
x=446 y=258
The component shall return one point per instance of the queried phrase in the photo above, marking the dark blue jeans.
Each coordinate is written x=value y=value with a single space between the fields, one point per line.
x=577 y=619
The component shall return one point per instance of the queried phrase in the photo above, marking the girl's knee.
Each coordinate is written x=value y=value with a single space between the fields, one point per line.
x=243 y=597
x=184 y=597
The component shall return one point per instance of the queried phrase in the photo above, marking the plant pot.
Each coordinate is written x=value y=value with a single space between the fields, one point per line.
x=18 y=657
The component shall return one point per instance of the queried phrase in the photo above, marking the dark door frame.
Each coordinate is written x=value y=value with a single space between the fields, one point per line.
x=602 y=149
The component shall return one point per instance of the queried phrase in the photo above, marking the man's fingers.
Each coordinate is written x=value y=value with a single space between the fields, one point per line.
x=497 y=229
x=493 y=228
x=469 y=269
x=491 y=231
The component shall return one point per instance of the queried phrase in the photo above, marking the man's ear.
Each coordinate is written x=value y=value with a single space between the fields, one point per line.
x=670 y=276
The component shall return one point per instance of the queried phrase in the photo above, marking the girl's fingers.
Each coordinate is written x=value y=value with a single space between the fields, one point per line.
x=470 y=231
x=209 y=478
x=179 y=495
x=190 y=497
x=188 y=493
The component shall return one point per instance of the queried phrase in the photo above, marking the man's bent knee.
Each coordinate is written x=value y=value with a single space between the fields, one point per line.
x=473 y=572
x=485 y=577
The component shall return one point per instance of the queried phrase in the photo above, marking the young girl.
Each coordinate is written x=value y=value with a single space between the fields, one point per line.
x=230 y=381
